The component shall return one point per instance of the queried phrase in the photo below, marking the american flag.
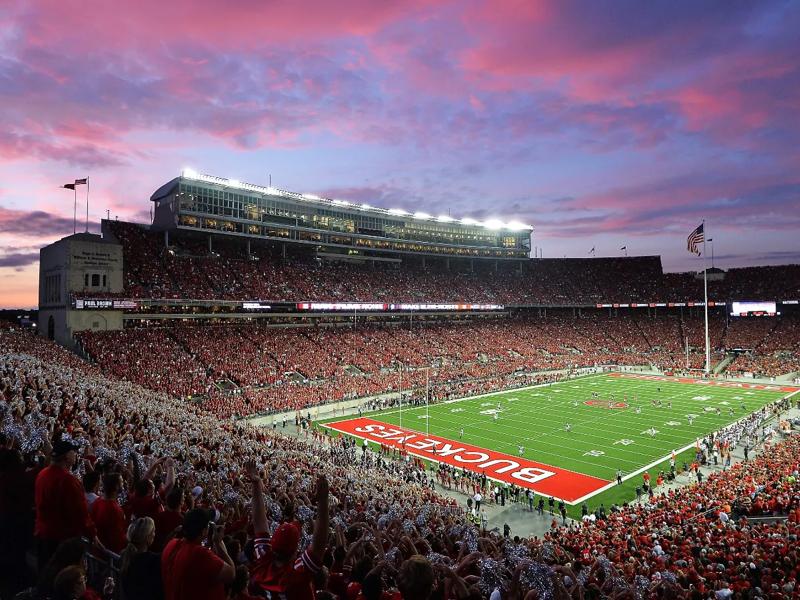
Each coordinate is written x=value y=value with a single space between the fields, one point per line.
x=695 y=238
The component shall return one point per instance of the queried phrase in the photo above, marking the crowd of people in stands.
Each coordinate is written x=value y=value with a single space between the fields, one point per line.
x=93 y=467
x=271 y=368
x=225 y=271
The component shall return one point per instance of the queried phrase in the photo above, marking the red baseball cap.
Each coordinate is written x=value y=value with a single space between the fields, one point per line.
x=286 y=538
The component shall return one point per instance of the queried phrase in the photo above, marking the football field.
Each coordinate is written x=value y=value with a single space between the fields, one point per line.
x=568 y=439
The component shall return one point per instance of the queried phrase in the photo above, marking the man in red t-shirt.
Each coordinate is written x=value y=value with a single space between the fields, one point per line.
x=108 y=516
x=169 y=520
x=61 y=510
x=191 y=571
x=278 y=569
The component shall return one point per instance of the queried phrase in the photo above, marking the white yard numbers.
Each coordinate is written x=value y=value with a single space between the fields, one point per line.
x=623 y=442
x=491 y=411
x=422 y=416
x=673 y=423
x=594 y=453
x=456 y=410
x=702 y=398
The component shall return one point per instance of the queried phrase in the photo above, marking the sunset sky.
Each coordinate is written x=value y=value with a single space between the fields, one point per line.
x=600 y=123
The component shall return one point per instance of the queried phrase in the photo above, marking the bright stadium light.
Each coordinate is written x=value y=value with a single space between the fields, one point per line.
x=445 y=219
x=341 y=202
x=517 y=226
x=311 y=197
x=422 y=215
x=365 y=207
x=397 y=211
x=469 y=221
x=234 y=183
x=189 y=173
x=493 y=224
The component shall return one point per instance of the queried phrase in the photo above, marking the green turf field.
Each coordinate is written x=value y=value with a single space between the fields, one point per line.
x=601 y=440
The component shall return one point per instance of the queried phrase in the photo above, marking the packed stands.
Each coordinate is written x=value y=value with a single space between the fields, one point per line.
x=278 y=368
x=367 y=526
x=189 y=269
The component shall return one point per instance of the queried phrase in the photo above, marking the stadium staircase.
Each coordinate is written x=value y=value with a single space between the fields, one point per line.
x=722 y=365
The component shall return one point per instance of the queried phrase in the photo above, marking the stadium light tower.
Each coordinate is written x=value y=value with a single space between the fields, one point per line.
x=711 y=241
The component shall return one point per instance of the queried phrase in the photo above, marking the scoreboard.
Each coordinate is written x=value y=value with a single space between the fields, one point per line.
x=754 y=309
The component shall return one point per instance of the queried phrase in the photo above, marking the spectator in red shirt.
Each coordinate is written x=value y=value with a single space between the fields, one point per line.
x=168 y=520
x=189 y=570
x=61 y=510
x=108 y=516
x=278 y=569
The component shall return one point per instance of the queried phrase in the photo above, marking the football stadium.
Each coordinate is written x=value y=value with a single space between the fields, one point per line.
x=416 y=300
x=254 y=350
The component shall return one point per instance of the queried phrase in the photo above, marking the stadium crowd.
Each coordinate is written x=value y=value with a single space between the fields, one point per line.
x=277 y=368
x=190 y=269
x=151 y=478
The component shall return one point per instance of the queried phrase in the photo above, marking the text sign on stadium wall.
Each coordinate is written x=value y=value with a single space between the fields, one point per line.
x=379 y=306
x=543 y=479
x=103 y=303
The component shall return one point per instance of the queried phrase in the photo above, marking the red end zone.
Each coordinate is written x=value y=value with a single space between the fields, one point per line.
x=543 y=479
x=725 y=384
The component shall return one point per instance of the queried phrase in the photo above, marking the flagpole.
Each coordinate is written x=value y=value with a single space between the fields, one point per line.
x=87 y=204
x=75 y=210
x=705 y=303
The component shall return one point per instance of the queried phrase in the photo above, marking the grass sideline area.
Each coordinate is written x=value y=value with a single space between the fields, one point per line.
x=601 y=439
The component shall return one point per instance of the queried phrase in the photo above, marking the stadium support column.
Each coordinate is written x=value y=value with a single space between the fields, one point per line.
x=248 y=247
x=166 y=238
x=210 y=248
x=705 y=304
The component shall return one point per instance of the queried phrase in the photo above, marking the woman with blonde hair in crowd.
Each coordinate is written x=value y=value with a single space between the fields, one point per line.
x=140 y=569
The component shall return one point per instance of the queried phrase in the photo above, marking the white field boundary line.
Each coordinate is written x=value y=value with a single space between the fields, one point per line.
x=654 y=463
